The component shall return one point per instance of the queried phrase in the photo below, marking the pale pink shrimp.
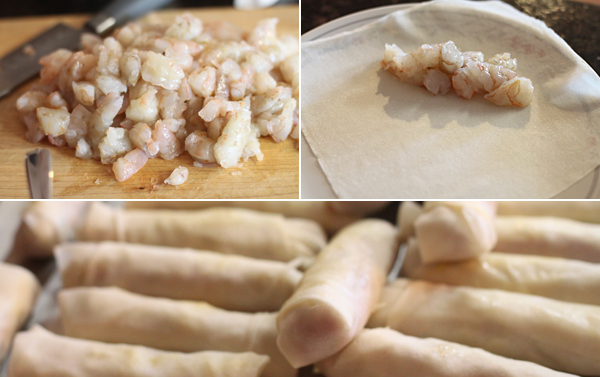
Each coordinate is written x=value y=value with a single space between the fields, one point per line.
x=125 y=167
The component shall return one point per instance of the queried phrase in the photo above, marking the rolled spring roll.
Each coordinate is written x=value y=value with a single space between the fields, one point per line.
x=388 y=353
x=587 y=211
x=453 y=231
x=40 y=353
x=335 y=298
x=333 y=216
x=113 y=315
x=227 y=230
x=18 y=291
x=556 y=278
x=407 y=214
x=556 y=334
x=44 y=225
x=549 y=236
x=227 y=281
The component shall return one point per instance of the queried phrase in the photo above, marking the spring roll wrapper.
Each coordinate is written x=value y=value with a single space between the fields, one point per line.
x=333 y=216
x=230 y=282
x=559 y=335
x=556 y=278
x=335 y=298
x=454 y=231
x=388 y=353
x=587 y=211
x=18 y=290
x=227 y=230
x=44 y=225
x=40 y=353
x=549 y=236
x=113 y=315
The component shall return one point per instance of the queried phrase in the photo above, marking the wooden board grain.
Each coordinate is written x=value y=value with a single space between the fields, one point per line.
x=276 y=177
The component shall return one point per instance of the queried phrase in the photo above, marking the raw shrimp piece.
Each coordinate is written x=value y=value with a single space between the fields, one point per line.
x=178 y=176
x=107 y=84
x=145 y=108
x=169 y=146
x=114 y=144
x=53 y=122
x=186 y=27
x=170 y=106
x=437 y=82
x=230 y=145
x=85 y=92
x=290 y=68
x=514 y=92
x=78 y=125
x=162 y=71
x=283 y=123
x=200 y=147
x=53 y=63
x=31 y=100
x=252 y=148
x=141 y=137
x=55 y=101
x=218 y=108
x=131 y=66
x=83 y=149
x=504 y=60
x=131 y=163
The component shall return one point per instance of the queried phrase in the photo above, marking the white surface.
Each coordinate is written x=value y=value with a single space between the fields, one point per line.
x=314 y=183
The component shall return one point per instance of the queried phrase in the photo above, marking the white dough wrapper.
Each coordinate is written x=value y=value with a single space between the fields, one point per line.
x=549 y=236
x=40 y=353
x=44 y=225
x=18 y=290
x=388 y=353
x=227 y=230
x=333 y=216
x=230 y=282
x=113 y=315
x=587 y=210
x=338 y=292
x=454 y=231
x=556 y=278
x=556 y=334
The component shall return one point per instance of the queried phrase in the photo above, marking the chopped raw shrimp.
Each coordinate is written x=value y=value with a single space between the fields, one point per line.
x=108 y=84
x=252 y=148
x=186 y=27
x=218 y=108
x=53 y=63
x=141 y=137
x=53 y=122
x=114 y=144
x=78 y=125
x=31 y=100
x=83 y=150
x=131 y=66
x=203 y=81
x=145 y=108
x=170 y=106
x=162 y=71
x=178 y=176
x=34 y=132
x=85 y=92
x=106 y=112
x=290 y=69
x=126 y=166
x=433 y=65
x=230 y=145
x=514 y=92
x=200 y=147
x=169 y=146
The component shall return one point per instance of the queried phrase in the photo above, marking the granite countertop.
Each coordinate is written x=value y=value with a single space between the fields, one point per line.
x=577 y=23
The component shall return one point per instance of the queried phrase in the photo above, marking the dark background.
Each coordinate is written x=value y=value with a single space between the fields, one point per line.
x=577 y=23
x=20 y=8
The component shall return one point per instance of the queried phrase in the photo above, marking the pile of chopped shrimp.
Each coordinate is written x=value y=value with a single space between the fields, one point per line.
x=160 y=90
x=441 y=66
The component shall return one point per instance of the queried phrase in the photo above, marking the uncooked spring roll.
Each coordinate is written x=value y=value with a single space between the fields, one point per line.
x=333 y=216
x=40 y=353
x=18 y=291
x=227 y=230
x=557 y=278
x=230 y=282
x=335 y=297
x=559 y=335
x=388 y=353
x=587 y=211
x=453 y=231
x=549 y=236
x=45 y=224
x=113 y=315
x=405 y=220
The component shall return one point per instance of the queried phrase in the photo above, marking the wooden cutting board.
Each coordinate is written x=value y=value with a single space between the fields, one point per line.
x=276 y=176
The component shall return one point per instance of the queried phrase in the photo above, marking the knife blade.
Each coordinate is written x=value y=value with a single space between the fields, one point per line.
x=22 y=63
x=38 y=165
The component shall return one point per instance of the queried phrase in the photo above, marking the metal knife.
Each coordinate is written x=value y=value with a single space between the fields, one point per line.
x=22 y=64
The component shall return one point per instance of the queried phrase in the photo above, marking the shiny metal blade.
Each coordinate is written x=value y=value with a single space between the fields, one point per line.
x=395 y=272
x=38 y=164
x=22 y=64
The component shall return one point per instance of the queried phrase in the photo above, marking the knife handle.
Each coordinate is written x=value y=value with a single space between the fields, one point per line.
x=119 y=12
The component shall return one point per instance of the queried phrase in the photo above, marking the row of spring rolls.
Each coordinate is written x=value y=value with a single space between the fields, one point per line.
x=46 y=224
